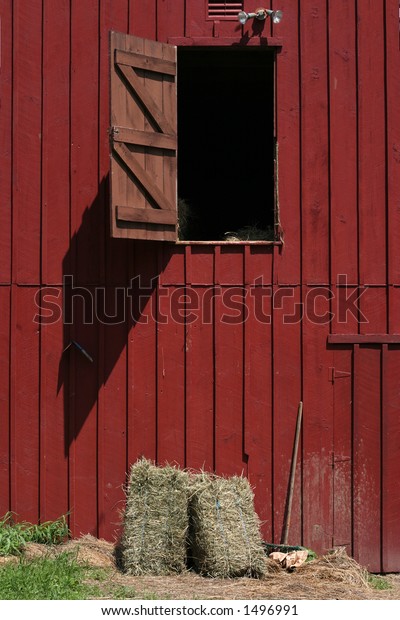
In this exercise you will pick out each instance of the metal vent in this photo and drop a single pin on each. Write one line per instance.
(227, 10)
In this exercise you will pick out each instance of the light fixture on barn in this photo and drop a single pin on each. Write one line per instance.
(260, 14)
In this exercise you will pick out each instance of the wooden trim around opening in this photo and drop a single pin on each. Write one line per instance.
(364, 339)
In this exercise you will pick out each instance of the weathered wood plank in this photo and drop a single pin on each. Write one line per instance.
(27, 130)
(55, 258)
(392, 64)
(24, 405)
(199, 375)
(364, 339)
(148, 63)
(390, 458)
(171, 353)
(5, 347)
(343, 139)
(83, 418)
(142, 355)
(156, 216)
(314, 143)
(144, 138)
(317, 422)
(371, 141)
(287, 393)
(367, 457)
(258, 400)
(54, 409)
(6, 141)
(87, 212)
(287, 260)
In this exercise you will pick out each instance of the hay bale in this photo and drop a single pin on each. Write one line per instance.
(155, 521)
(225, 538)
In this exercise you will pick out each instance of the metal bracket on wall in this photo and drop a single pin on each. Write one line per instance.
(80, 348)
(337, 374)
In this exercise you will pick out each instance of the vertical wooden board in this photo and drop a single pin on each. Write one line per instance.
(24, 405)
(126, 111)
(393, 134)
(346, 309)
(170, 19)
(199, 265)
(171, 352)
(258, 399)
(160, 164)
(367, 457)
(229, 367)
(371, 140)
(27, 129)
(55, 140)
(258, 264)
(142, 355)
(53, 409)
(6, 78)
(200, 378)
(394, 310)
(229, 265)
(87, 217)
(172, 265)
(343, 139)
(314, 145)
(287, 393)
(112, 398)
(83, 419)
(390, 459)
(317, 426)
(5, 298)
(374, 308)
(169, 103)
(342, 380)
(112, 431)
(287, 260)
(345, 320)
(153, 83)
(113, 17)
(143, 19)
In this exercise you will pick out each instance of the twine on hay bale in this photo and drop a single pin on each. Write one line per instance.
(224, 533)
(155, 520)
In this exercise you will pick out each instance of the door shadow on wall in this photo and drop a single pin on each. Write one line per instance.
(107, 284)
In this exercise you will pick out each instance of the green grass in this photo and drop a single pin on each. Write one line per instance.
(14, 535)
(43, 579)
(378, 583)
(61, 578)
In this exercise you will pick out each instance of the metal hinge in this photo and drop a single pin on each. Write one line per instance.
(113, 131)
(337, 374)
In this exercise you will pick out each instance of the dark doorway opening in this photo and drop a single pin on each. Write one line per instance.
(226, 144)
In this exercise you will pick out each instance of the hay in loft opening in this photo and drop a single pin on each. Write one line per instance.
(224, 534)
(155, 520)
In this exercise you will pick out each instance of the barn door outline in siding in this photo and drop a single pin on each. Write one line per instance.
(367, 447)
(143, 138)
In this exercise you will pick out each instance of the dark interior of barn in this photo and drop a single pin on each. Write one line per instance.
(226, 143)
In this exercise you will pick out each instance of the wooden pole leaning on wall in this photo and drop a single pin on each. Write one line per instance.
(288, 511)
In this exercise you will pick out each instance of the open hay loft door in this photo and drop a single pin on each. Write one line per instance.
(143, 186)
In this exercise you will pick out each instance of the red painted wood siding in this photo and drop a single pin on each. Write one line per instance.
(203, 391)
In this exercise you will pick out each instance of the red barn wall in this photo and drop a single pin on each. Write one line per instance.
(204, 392)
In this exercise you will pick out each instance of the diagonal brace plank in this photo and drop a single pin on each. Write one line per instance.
(148, 63)
(144, 179)
(147, 100)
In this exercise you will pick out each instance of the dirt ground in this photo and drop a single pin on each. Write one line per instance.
(340, 579)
